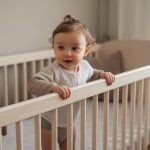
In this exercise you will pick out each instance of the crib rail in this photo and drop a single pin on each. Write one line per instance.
(25, 57)
(17, 70)
(16, 113)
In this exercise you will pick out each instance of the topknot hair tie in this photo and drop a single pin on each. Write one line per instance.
(70, 19)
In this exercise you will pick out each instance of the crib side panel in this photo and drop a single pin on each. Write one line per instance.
(127, 81)
(15, 73)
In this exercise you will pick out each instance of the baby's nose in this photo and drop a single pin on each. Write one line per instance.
(68, 52)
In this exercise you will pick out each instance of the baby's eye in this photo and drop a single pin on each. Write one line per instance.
(61, 47)
(76, 49)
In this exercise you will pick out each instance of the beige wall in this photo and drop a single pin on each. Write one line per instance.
(26, 25)
(103, 20)
(129, 19)
(124, 19)
(108, 19)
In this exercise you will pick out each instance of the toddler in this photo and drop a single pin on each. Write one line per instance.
(71, 41)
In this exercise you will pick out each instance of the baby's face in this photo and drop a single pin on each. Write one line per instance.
(69, 49)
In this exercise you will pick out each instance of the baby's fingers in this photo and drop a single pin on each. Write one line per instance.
(65, 92)
(110, 78)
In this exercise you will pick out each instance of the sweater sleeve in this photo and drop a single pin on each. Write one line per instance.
(39, 87)
(96, 75)
(42, 83)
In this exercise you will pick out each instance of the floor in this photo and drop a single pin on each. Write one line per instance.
(28, 128)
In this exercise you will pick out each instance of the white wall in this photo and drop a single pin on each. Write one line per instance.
(26, 25)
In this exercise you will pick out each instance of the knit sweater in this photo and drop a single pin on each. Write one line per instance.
(43, 82)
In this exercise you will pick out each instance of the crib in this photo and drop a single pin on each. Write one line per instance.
(129, 116)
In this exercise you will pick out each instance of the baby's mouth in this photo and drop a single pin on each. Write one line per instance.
(68, 61)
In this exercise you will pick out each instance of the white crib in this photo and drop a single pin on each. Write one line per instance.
(17, 70)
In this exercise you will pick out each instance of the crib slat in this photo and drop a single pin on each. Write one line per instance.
(54, 129)
(25, 94)
(115, 117)
(132, 113)
(70, 127)
(19, 135)
(46, 62)
(49, 61)
(1, 139)
(146, 113)
(95, 122)
(83, 125)
(16, 83)
(41, 64)
(33, 68)
(140, 105)
(37, 123)
(5, 86)
(124, 115)
(106, 121)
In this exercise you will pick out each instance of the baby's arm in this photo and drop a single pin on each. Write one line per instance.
(108, 76)
(43, 83)
(39, 87)
(100, 74)
(63, 91)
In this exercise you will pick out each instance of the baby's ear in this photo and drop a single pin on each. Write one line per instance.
(87, 51)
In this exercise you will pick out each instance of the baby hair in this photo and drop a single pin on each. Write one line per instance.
(70, 24)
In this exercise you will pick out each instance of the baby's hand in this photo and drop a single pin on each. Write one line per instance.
(108, 76)
(63, 91)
